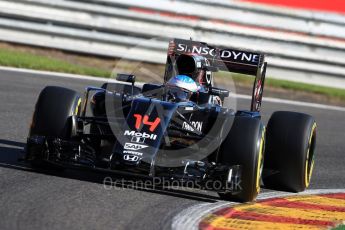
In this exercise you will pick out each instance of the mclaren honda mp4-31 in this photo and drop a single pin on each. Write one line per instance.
(179, 130)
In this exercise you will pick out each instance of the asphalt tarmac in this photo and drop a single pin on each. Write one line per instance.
(78, 199)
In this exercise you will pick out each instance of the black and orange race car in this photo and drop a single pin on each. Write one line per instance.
(179, 130)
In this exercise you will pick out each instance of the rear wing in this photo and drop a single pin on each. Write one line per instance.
(224, 59)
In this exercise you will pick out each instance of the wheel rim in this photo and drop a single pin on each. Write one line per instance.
(309, 164)
(260, 160)
(77, 108)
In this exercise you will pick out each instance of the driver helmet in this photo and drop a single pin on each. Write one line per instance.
(195, 67)
(181, 88)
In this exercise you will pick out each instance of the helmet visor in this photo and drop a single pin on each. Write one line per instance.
(179, 94)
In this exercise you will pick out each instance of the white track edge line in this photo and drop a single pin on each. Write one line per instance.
(290, 102)
(191, 217)
(100, 79)
(42, 73)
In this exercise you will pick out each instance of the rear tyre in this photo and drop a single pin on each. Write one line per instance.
(52, 118)
(290, 149)
(244, 146)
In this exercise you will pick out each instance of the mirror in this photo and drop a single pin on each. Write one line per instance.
(219, 92)
(125, 77)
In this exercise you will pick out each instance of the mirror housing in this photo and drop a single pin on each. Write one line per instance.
(219, 92)
(125, 78)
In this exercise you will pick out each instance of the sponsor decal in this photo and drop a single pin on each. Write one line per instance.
(258, 90)
(139, 134)
(196, 49)
(197, 125)
(130, 158)
(138, 139)
(132, 152)
(134, 147)
(145, 121)
(208, 77)
(224, 54)
(198, 64)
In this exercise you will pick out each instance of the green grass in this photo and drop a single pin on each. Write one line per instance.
(327, 91)
(32, 61)
(19, 59)
(340, 227)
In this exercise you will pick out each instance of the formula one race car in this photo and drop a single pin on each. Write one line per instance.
(178, 130)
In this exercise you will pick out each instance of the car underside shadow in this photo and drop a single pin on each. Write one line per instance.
(11, 152)
(12, 143)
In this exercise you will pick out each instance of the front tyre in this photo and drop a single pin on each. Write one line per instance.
(244, 146)
(290, 150)
(51, 119)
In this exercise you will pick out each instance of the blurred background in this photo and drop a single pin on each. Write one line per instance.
(304, 40)
(305, 45)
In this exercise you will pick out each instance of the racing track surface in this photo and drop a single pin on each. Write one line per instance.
(77, 199)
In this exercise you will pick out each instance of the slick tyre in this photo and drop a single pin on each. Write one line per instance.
(244, 146)
(53, 117)
(290, 150)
